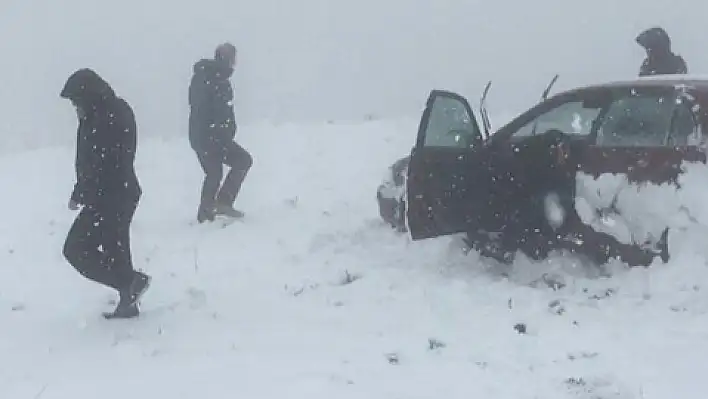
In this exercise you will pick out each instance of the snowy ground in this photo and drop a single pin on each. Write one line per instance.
(312, 297)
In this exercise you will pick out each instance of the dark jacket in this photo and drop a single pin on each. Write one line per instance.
(105, 144)
(660, 59)
(211, 119)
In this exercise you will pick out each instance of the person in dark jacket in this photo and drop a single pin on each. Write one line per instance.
(107, 191)
(545, 218)
(660, 59)
(212, 129)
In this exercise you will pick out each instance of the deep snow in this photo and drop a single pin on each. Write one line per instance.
(312, 297)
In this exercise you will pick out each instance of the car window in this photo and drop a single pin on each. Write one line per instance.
(570, 118)
(637, 120)
(684, 129)
(450, 124)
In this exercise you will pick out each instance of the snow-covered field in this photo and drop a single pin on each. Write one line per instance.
(312, 297)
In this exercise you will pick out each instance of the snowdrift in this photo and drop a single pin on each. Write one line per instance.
(313, 292)
(633, 213)
(640, 212)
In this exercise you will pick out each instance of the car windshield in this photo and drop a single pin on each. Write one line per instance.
(571, 117)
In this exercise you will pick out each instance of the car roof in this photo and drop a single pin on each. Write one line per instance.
(699, 82)
(696, 81)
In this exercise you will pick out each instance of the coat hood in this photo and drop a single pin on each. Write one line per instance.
(85, 86)
(655, 40)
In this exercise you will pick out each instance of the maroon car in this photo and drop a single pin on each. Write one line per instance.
(644, 128)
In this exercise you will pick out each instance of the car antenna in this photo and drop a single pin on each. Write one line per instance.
(544, 96)
(483, 110)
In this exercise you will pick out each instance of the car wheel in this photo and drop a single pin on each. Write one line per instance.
(392, 211)
(390, 195)
(400, 224)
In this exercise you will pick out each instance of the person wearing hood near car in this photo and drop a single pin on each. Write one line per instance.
(660, 58)
(107, 191)
(212, 129)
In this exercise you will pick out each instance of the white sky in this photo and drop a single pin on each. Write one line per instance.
(320, 59)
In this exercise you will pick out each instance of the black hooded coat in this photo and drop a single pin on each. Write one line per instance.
(212, 122)
(105, 146)
(660, 58)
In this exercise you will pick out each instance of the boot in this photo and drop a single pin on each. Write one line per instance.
(228, 210)
(140, 284)
(205, 214)
(128, 305)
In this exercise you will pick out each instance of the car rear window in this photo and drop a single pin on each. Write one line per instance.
(639, 120)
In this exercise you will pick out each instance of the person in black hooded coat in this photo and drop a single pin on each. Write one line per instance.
(660, 59)
(107, 189)
(212, 129)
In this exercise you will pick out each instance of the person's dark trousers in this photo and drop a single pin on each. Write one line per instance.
(98, 245)
(601, 247)
(574, 236)
(578, 237)
(212, 161)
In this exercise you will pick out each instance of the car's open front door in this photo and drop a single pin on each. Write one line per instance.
(441, 170)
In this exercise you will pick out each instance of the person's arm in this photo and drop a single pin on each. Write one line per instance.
(201, 101)
(87, 164)
(644, 68)
(682, 67)
(119, 147)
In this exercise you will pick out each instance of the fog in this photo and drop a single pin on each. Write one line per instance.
(315, 60)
